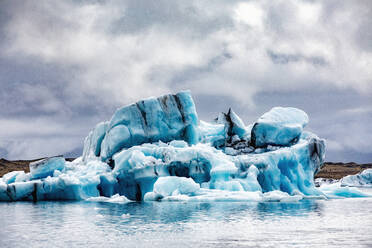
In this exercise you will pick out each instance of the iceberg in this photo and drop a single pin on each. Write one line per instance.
(362, 179)
(337, 190)
(157, 150)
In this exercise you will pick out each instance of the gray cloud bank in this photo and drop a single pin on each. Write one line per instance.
(66, 65)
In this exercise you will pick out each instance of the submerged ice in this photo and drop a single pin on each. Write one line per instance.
(157, 149)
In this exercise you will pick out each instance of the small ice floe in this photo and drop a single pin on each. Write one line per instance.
(280, 196)
(336, 190)
(363, 179)
(113, 199)
(320, 181)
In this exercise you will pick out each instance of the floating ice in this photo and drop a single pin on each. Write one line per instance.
(15, 176)
(46, 167)
(280, 196)
(233, 125)
(172, 186)
(113, 199)
(336, 190)
(167, 118)
(279, 127)
(157, 149)
(362, 179)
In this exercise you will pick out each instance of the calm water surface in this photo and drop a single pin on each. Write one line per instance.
(310, 223)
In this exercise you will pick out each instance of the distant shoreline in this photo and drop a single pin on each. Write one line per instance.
(332, 170)
(18, 165)
(338, 170)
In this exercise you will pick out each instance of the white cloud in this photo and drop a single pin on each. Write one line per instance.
(250, 13)
(120, 64)
(38, 147)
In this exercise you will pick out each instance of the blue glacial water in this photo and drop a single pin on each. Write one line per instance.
(308, 223)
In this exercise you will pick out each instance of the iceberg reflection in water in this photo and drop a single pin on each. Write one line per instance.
(307, 223)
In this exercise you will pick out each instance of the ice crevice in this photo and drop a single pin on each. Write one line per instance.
(158, 150)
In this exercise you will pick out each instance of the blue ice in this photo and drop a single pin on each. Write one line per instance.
(46, 167)
(158, 149)
(362, 179)
(279, 127)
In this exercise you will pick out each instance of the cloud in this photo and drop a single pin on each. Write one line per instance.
(73, 62)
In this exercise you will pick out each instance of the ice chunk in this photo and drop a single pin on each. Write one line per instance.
(178, 143)
(167, 118)
(14, 176)
(212, 133)
(280, 126)
(280, 196)
(336, 190)
(117, 138)
(362, 179)
(172, 186)
(92, 143)
(235, 138)
(215, 195)
(46, 167)
(234, 132)
(233, 124)
(21, 191)
(320, 181)
(113, 199)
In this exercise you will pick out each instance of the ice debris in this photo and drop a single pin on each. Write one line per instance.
(113, 199)
(362, 179)
(336, 190)
(157, 149)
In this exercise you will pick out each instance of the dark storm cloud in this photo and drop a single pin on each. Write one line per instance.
(64, 66)
(282, 58)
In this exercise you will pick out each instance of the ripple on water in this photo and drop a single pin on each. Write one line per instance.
(308, 223)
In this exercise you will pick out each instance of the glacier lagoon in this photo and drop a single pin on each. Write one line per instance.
(156, 174)
(307, 223)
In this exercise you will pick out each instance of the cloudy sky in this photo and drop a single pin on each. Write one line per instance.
(66, 65)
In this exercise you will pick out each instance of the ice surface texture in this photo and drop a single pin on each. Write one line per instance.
(157, 149)
(362, 179)
(167, 118)
(280, 126)
(46, 167)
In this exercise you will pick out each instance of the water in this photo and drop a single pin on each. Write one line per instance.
(308, 223)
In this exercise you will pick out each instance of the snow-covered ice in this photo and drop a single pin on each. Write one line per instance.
(336, 190)
(158, 149)
(362, 179)
(46, 167)
(279, 127)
